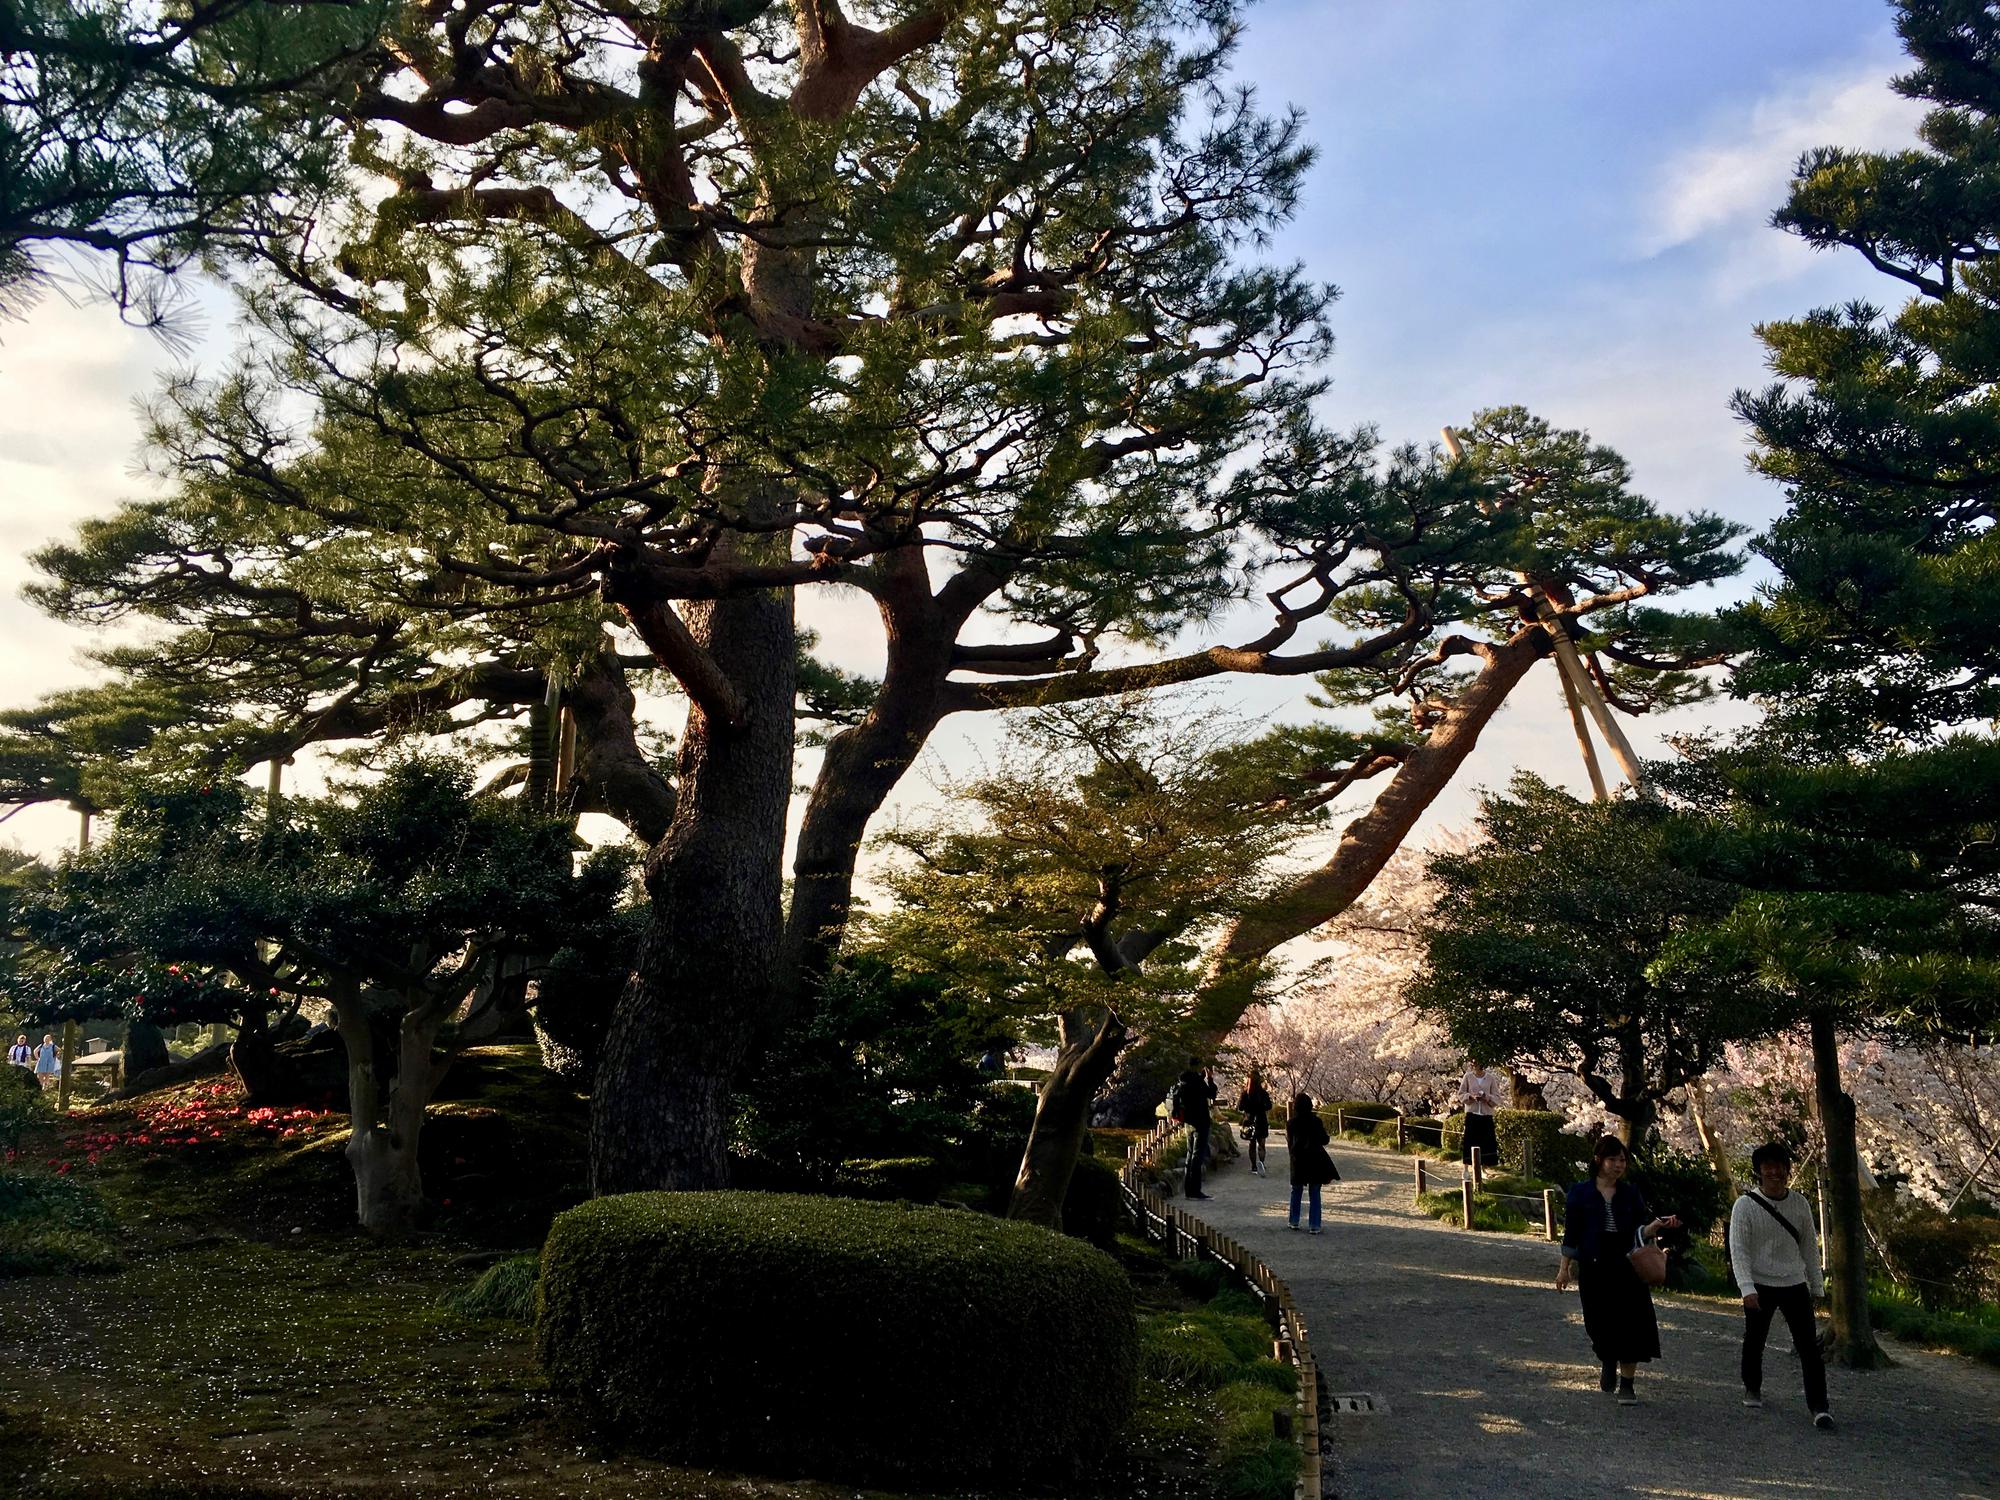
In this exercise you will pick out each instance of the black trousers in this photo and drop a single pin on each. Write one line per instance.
(1479, 1132)
(1196, 1155)
(1795, 1302)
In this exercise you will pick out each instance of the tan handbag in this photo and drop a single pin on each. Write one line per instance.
(1650, 1262)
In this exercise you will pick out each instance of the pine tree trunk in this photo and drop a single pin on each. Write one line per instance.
(1365, 847)
(1062, 1114)
(386, 1118)
(863, 765)
(706, 982)
(1844, 1233)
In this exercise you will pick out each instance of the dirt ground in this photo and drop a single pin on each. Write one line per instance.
(1483, 1387)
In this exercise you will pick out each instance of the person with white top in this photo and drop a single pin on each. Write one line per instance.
(1479, 1096)
(21, 1055)
(1774, 1253)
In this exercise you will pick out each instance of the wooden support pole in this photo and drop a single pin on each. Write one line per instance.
(1420, 1177)
(1478, 1172)
(68, 1059)
(1402, 1134)
(1465, 1200)
(1576, 722)
(1549, 1213)
(82, 828)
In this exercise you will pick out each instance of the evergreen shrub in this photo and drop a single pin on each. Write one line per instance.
(869, 1341)
(1680, 1182)
(919, 1179)
(1532, 1142)
(1355, 1114)
(1948, 1263)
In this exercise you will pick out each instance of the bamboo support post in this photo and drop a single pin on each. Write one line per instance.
(68, 1058)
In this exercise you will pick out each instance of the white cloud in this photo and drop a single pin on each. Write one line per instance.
(1717, 194)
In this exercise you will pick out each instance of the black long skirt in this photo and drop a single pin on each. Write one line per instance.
(1618, 1311)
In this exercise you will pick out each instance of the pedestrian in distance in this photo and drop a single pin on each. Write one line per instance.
(1774, 1253)
(1605, 1218)
(1193, 1092)
(1255, 1104)
(47, 1063)
(1312, 1164)
(21, 1055)
(1479, 1096)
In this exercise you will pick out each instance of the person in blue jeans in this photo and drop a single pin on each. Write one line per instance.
(1305, 1144)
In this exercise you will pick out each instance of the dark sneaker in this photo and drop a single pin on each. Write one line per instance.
(1752, 1398)
(1823, 1420)
(1626, 1395)
(1204, 1197)
(1607, 1379)
(1293, 1225)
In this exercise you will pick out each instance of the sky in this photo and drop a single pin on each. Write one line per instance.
(1560, 204)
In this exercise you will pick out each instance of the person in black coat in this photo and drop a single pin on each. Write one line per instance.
(1312, 1166)
(1604, 1220)
(1256, 1106)
(1193, 1093)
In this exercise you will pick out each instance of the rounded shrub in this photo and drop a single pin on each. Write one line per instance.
(1533, 1145)
(918, 1178)
(849, 1339)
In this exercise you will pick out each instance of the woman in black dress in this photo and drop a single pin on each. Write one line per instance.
(1604, 1219)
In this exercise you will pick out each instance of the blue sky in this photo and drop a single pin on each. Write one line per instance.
(1556, 203)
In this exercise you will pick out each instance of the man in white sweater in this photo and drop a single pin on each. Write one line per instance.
(1774, 1251)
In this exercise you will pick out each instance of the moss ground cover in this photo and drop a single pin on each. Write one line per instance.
(243, 1343)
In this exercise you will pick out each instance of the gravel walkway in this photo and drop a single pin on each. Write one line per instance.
(1484, 1387)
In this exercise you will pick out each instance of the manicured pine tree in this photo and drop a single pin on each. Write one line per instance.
(1884, 428)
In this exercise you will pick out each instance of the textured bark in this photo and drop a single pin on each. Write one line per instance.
(706, 981)
(1843, 1233)
(863, 765)
(1323, 894)
(1062, 1114)
(386, 1116)
(610, 769)
(145, 1049)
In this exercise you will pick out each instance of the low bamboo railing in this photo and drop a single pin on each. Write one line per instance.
(1188, 1238)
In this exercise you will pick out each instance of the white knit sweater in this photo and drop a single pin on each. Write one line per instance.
(1761, 1253)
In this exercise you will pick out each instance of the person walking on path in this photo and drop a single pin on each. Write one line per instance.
(1193, 1092)
(21, 1055)
(47, 1064)
(1774, 1253)
(1312, 1166)
(1256, 1106)
(1604, 1220)
(1479, 1096)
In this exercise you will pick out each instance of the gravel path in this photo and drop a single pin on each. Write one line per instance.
(1486, 1389)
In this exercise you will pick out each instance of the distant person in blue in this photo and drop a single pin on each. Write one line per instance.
(47, 1064)
(1604, 1219)
(21, 1055)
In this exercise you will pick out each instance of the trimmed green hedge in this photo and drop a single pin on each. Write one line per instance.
(847, 1339)
(918, 1178)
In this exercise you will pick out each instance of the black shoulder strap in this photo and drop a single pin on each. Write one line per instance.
(1772, 1209)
